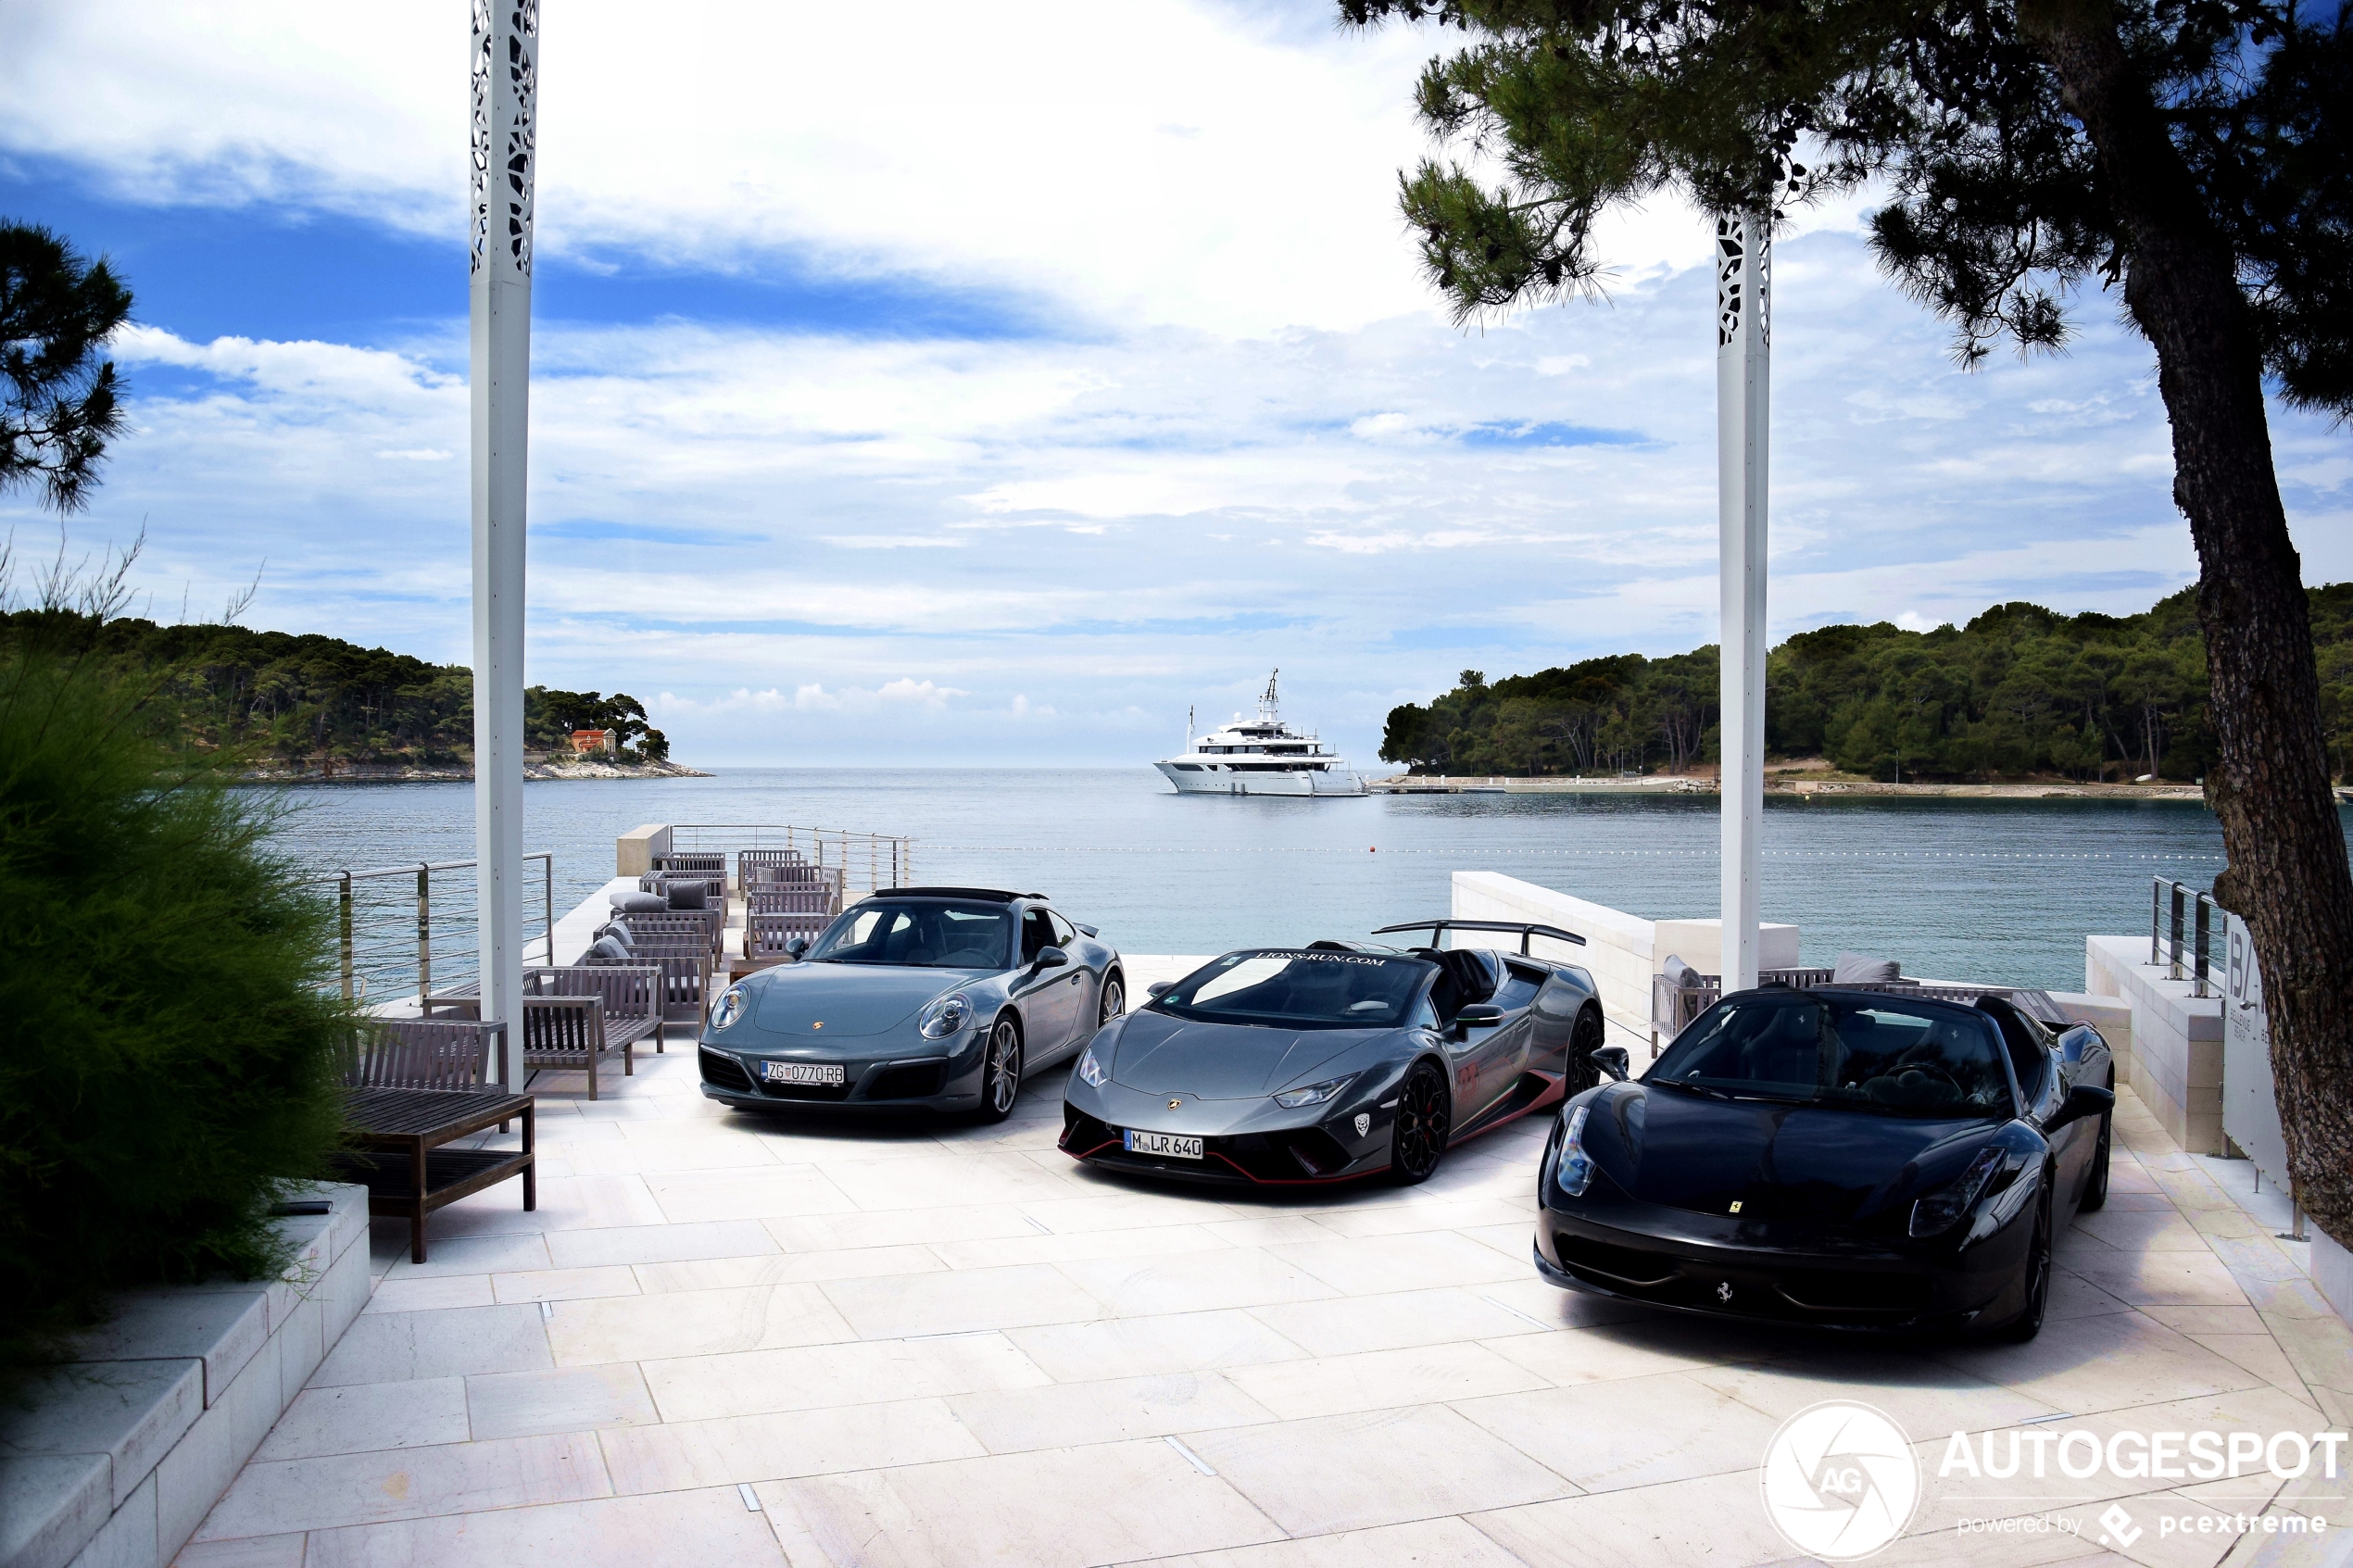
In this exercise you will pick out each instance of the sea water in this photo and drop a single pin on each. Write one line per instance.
(2000, 891)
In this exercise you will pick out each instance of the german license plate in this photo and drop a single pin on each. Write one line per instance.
(825, 1074)
(1177, 1145)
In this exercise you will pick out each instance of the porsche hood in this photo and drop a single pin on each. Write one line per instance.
(1157, 1054)
(846, 999)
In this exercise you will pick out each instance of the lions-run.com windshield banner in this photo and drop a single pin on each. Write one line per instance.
(1842, 1481)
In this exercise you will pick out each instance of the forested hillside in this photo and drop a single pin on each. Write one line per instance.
(2019, 691)
(271, 697)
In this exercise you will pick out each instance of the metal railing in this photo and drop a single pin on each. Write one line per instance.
(400, 930)
(885, 860)
(2171, 918)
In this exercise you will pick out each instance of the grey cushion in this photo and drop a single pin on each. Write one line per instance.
(1861, 969)
(1679, 974)
(639, 903)
(687, 895)
(605, 948)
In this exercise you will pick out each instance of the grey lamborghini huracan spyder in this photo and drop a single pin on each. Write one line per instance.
(1284, 1066)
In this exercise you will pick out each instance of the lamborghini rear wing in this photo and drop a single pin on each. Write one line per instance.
(1526, 931)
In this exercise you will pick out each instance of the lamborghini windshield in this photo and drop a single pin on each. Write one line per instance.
(1296, 988)
(920, 934)
(1881, 1053)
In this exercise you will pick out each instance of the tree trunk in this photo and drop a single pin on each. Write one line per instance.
(2287, 877)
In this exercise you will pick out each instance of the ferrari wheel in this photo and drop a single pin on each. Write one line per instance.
(1583, 1041)
(1000, 1079)
(2095, 1179)
(2037, 1272)
(1420, 1137)
(1114, 1000)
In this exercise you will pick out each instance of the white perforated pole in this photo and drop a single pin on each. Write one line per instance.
(1743, 270)
(505, 101)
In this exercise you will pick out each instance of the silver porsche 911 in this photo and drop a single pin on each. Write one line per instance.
(938, 998)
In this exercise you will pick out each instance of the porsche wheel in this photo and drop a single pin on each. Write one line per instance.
(1583, 1041)
(1114, 1000)
(1000, 1078)
(2037, 1280)
(2095, 1179)
(1418, 1139)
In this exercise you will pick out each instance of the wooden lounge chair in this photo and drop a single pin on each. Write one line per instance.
(766, 936)
(566, 1034)
(685, 967)
(705, 926)
(415, 1086)
(632, 994)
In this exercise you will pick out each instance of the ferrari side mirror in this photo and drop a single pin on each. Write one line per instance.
(1050, 958)
(2083, 1100)
(1160, 987)
(1612, 1059)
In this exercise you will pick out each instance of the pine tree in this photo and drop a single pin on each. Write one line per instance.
(59, 394)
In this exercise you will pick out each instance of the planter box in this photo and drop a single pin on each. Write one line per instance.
(123, 1450)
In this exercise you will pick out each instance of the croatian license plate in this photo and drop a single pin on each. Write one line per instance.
(825, 1074)
(1177, 1145)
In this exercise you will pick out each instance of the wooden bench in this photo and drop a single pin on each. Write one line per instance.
(567, 1033)
(632, 994)
(415, 1086)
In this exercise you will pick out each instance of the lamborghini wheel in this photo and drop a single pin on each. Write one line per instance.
(1583, 1041)
(1000, 1078)
(1418, 1140)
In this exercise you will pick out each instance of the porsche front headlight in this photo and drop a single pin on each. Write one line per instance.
(1942, 1209)
(1092, 1070)
(945, 1015)
(1314, 1094)
(728, 1007)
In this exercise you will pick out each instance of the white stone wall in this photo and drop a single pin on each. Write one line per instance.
(120, 1453)
(2176, 1060)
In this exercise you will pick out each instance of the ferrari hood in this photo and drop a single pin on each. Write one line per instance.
(1777, 1161)
(847, 998)
(1162, 1055)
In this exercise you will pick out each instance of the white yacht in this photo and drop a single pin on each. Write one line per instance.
(1261, 756)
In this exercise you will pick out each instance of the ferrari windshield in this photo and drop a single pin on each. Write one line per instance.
(920, 934)
(1294, 989)
(1877, 1053)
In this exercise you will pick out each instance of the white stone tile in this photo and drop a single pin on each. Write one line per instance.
(1712, 1523)
(1111, 1347)
(901, 1227)
(565, 1285)
(1382, 1380)
(752, 1193)
(130, 1411)
(246, 1552)
(1417, 1260)
(1160, 1241)
(419, 1413)
(861, 1372)
(960, 1301)
(1383, 1467)
(1425, 1543)
(1633, 1432)
(578, 1399)
(677, 1455)
(1115, 1504)
(2087, 1365)
(324, 1493)
(692, 1323)
(426, 1293)
(658, 1244)
(790, 1267)
(1234, 1276)
(450, 1253)
(1344, 1324)
(55, 1503)
(1072, 1414)
(397, 1347)
(709, 1527)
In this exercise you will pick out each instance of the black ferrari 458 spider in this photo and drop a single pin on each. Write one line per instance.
(1852, 1159)
(1280, 1066)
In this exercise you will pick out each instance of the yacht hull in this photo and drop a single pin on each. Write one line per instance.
(1298, 785)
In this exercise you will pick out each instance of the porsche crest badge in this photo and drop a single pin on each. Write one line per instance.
(1176, 1105)
(819, 1025)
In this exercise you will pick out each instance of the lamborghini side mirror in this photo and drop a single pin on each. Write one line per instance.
(1159, 988)
(1475, 1015)
(1613, 1060)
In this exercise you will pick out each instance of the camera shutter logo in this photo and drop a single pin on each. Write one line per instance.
(1840, 1480)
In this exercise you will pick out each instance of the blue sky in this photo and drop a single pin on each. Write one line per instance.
(996, 407)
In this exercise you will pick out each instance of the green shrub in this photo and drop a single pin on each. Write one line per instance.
(166, 1048)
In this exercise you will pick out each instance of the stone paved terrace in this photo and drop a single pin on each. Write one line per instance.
(935, 1344)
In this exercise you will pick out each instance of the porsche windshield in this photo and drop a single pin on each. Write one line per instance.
(1299, 989)
(1882, 1054)
(920, 934)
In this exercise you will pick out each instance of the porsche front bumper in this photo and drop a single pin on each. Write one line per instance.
(878, 1073)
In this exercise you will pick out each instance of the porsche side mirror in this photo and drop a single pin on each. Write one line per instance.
(1613, 1060)
(2083, 1101)
(793, 949)
(1160, 987)
(1049, 957)
(1477, 1015)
